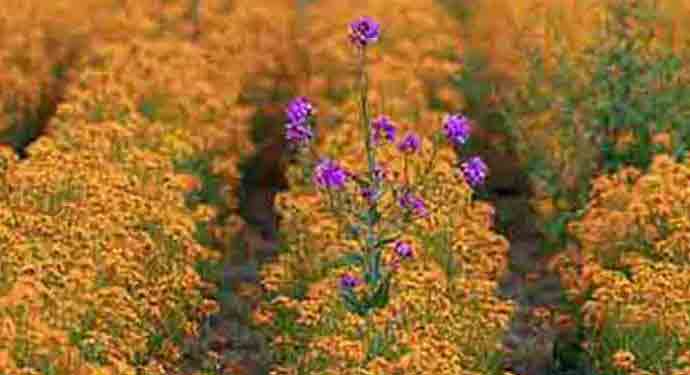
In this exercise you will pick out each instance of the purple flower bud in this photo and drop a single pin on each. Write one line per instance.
(410, 143)
(328, 174)
(369, 194)
(297, 130)
(364, 31)
(415, 204)
(474, 170)
(403, 249)
(382, 127)
(299, 110)
(379, 172)
(457, 129)
(347, 281)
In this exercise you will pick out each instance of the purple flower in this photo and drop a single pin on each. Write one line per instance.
(347, 281)
(410, 143)
(299, 110)
(457, 129)
(382, 127)
(413, 203)
(297, 130)
(364, 31)
(328, 174)
(369, 194)
(298, 134)
(474, 170)
(379, 172)
(403, 249)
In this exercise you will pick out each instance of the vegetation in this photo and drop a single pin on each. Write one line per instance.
(135, 133)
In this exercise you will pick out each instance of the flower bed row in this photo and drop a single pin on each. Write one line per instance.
(346, 298)
(635, 242)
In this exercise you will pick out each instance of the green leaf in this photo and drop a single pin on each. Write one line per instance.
(383, 242)
(375, 216)
(352, 259)
(376, 346)
(381, 296)
(352, 303)
(373, 273)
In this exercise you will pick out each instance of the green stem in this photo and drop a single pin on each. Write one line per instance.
(406, 177)
(371, 157)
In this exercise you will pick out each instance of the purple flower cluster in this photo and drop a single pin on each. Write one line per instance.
(347, 281)
(298, 131)
(298, 134)
(364, 31)
(299, 110)
(410, 143)
(328, 174)
(457, 129)
(403, 249)
(415, 204)
(474, 170)
(382, 127)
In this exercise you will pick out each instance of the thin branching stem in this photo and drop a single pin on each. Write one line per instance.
(371, 156)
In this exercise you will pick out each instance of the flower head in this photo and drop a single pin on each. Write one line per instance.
(382, 127)
(297, 130)
(403, 249)
(457, 129)
(410, 143)
(328, 174)
(299, 110)
(347, 281)
(474, 170)
(364, 31)
(298, 134)
(413, 203)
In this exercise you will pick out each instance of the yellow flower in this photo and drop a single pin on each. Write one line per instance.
(624, 360)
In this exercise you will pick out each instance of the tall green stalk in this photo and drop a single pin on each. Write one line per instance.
(371, 155)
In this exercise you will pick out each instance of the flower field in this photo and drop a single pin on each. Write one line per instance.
(130, 132)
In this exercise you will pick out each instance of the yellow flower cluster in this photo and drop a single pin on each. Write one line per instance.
(98, 254)
(506, 30)
(37, 37)
(635, 244)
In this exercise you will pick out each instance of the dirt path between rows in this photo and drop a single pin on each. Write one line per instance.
(542, 325)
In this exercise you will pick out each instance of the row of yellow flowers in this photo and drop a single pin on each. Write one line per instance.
(635, 243)
(97, 269)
